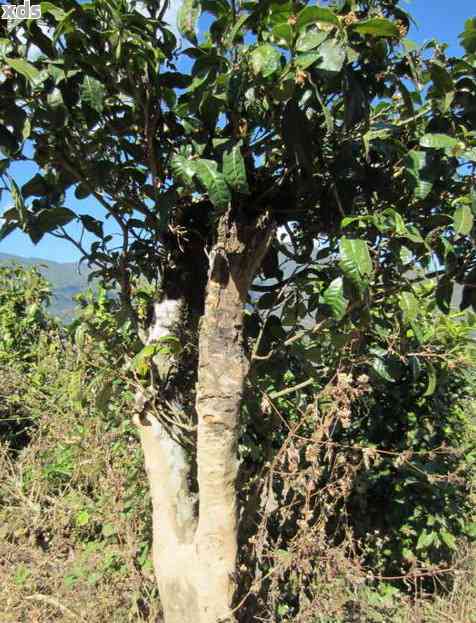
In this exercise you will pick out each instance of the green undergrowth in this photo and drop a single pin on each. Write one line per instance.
(75, 523)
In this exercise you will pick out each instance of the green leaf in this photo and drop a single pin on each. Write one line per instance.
(23, 67)
(51, 218)
(234, 170)
(431, 386)
(187, 19)
(141, 361)
(22, 213)
(333, 296)
(463, 220)
(355, 261)
(468, 37)
(448, 539)
(82, 518)
(333, 56)
(283, 35)
(418, 173)
(439, 141)
(378, 365)
(236, 30)
(409, 305)
(183, 168)
(377, 27)
(265, 60)
(310, 40)
(307, 59)
(425, 539)
(93, 93)
(214, 183)
(56, 12)
(314, 15)
(5, 47)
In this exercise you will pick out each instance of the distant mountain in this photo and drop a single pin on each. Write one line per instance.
(66, 280)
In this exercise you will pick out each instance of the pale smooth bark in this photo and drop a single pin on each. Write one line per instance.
(195, 558)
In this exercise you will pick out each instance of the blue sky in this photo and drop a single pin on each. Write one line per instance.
(438, 19)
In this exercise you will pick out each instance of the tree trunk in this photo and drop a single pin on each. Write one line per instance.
(195, 559)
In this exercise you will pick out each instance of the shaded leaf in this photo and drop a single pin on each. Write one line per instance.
(418, 173)
(36, 187)
(51, 218)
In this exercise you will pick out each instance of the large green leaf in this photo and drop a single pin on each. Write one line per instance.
(314, 15)
(214, 183)
(23, 67)
(409, 305)
(310, 40)
(234, 170)
(377, 27)
(355, 261)
(265, 60)
(93, 93)
(333, 56)
(439, 141)
(333, 297)
(188, 17)
(463, 220)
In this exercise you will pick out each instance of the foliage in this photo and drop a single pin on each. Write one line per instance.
(328, 451)
(22, 317)
(360, 145)
(73, 501)
(359, 446)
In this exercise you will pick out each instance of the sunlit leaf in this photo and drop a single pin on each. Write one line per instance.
(377, 27)
(463, 220)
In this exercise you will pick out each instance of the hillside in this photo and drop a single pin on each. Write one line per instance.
(66, 279)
